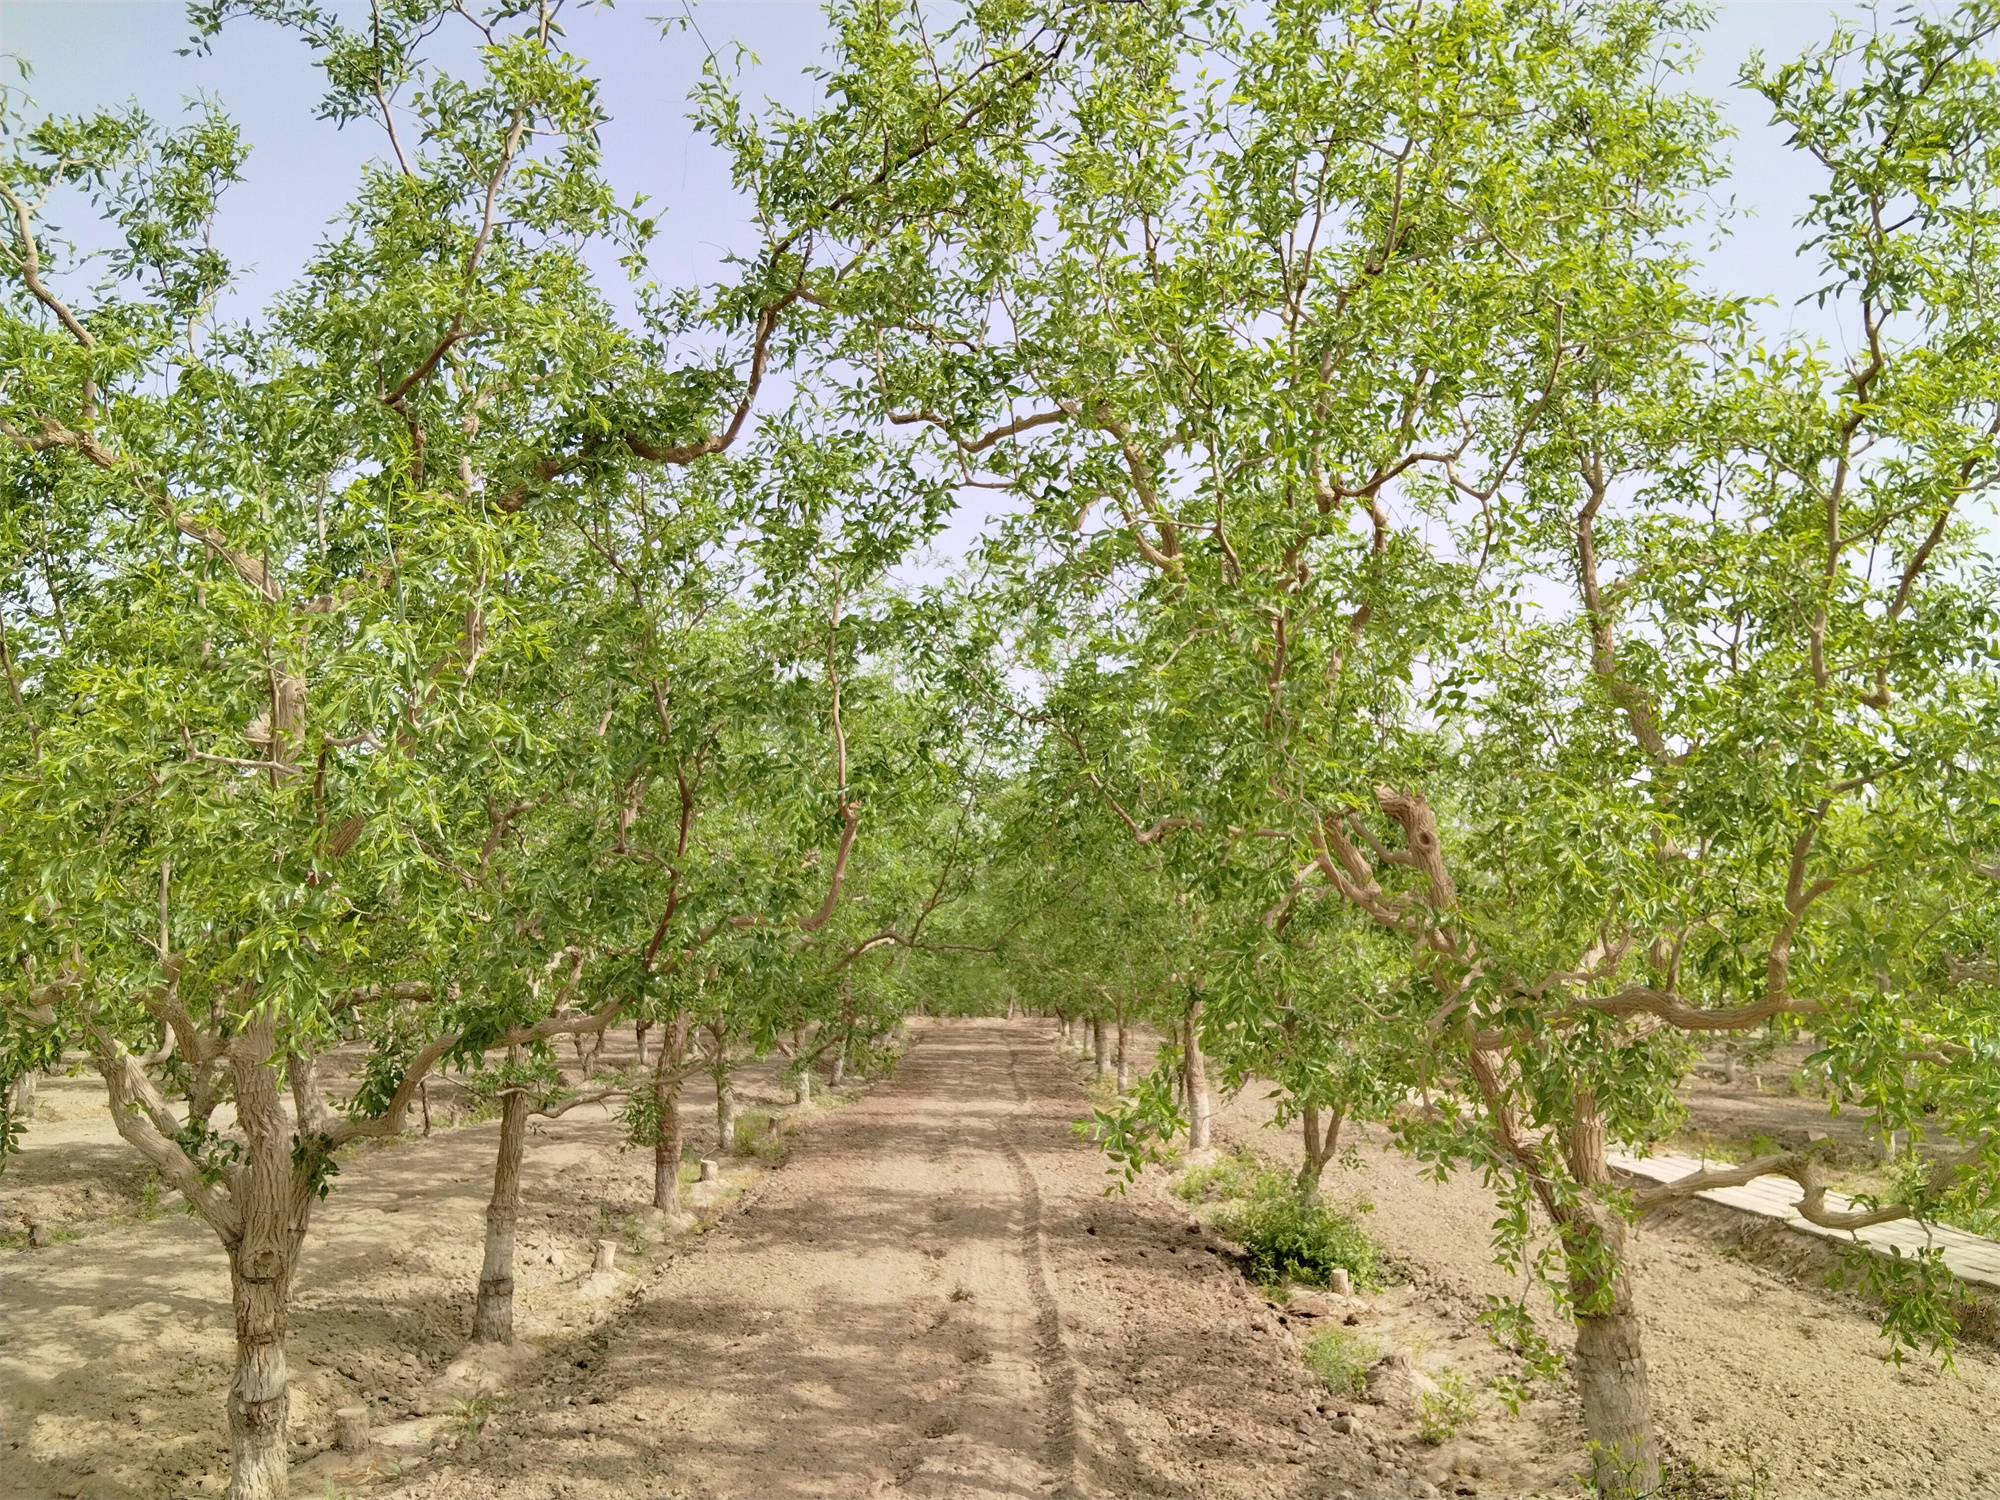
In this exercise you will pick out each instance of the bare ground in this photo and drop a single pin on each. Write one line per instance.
(935, 1299)
(1782, 1389)
(932, 1297)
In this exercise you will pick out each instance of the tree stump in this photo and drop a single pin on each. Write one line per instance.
(607, 1258)
(711, 1171)
(350, 1429)
(1339, 1282)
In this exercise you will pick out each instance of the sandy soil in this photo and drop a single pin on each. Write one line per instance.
(934, 1298)
(119, 1342)
(1756, 1378)
(931, 1297)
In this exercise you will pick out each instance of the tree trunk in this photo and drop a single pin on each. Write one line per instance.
(639, 1033)
(1610, 1359)
(1201, 1110)
(667, 1093)
(725, 1114)
(23, 1106)
(493, 1312)
(204, 1091)
(1319, 1150)
(839, 1063)
(1062, 1028)
(1729, 1068)
(259, 1398)
(1010, 1004)
(1100, 1045)
(1124, 1066)
(274, 1199)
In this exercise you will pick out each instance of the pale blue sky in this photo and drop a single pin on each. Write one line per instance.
(87, 53)
(92, 53)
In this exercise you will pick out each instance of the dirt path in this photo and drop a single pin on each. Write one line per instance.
(933, 1299)
(118, 1339)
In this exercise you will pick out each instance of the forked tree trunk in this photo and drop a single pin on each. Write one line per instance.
(1319, 1149)
(1201, 1110)
(493, 1311)
(1610, 1356)
(667, 1093)
(1100, 1045)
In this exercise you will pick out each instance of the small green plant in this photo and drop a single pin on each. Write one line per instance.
(1286, 1239)
(1440, 1413)
(1756, 1481)
(468, 1416)
(1232, 1177)
(633, 1238)
(1341, 1359)
(149, 1198)
(752, 1126)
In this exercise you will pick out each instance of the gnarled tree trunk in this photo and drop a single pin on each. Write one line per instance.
(260, 1287)
(273, 1197)
(1610, 1358)
(493, 1311)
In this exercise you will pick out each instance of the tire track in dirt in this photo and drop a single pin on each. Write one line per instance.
(1058, 1368)
(932, 1300)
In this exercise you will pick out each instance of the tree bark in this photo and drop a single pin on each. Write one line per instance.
(24, 1095)
(493, 1311)
(259, 1396)
(1319, 1150)
(725, 1091)
(1124, 1065)
(1201, 1110)
(274, 1199)
(639, 1033)
(838, 1068)
(1100, 1045)
(667, 1093)
(1610, 1358)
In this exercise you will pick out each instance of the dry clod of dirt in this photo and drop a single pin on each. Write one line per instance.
(1394, 1381)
